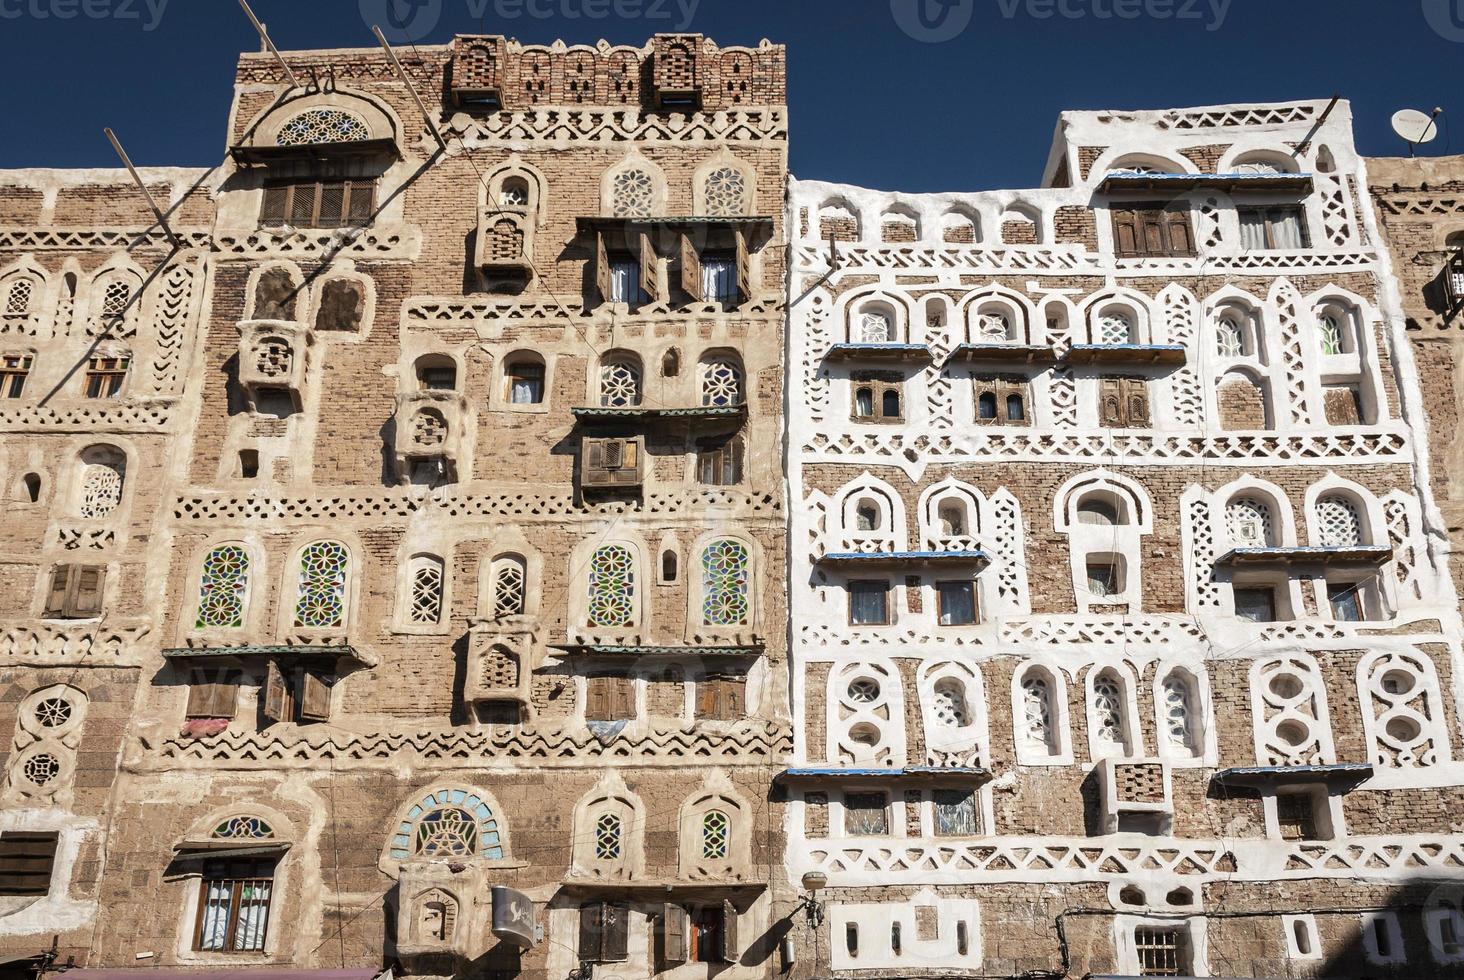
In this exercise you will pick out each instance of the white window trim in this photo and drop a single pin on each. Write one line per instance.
(1372, 921)
(1309, 924)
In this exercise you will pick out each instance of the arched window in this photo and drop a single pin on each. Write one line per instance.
(721, 383)
(668, 566)
(427, 581)
(1230, 339)
(1101, 511)
(949, 704)
(994, 325)
(1336, 333)
(223, 588)
(18, 296)
(1110, 723)
(321, 593)
(115, 298)
(103, 478)
(1115, 327)
(632, 193)
(1039, 714)
(952, 514)
(448, 823)
(986, 405)
(509, 587)
(726, 192)
(716, 835)
(612, 587)
(1338, 523)
(515, 193)
(725, 589)
(609, 832)
(866, 516)
(243, 828)
(1180, 721)
(620, 383)
(523, 376)
(323, 125)
(1248, 521)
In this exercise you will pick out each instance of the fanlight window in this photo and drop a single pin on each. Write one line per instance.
(509, 581)
(223, 588)
(631, 194)
(101, 488)
(726, 192)
(322, 587)
(323, 125)
(18, 297)
(1230, 338)
(952, 517)
(1179, 714)
(1338, 523)
(620, 383)
(715, 835)
(1115, 327)
(612, 587)
(1258, 167)
(1249, 522)
(515, 193)
(243, 828)
(725, 585)
(608, 831)
(949, 705)
(721, 384)
(1332, 333)
(875, 326)
(115, 298)
(448, 823)
(994, 326)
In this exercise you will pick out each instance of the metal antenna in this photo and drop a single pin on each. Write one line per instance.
(397, 66)
(127, 162)
(264, 36)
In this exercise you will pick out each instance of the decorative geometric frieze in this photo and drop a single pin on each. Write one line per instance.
(576, 124)
(82, 646)
(91, 417)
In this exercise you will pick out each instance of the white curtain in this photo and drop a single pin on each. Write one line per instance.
(719, 281)
(1253, 231)
(625, 282)
(1286, 227)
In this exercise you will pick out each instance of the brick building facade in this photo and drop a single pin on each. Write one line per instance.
(400, 571)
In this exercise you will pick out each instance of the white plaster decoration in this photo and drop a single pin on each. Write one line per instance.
(1112, 710)
(1288, 304)
(1289, 708)
(953, 707)
(1403, 717)
(925, 932)
(1179, 312)
(1040, 716)
(866, 716)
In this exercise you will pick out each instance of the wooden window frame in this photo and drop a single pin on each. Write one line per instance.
(868, 795)
(106, 376)
(1152, 230)
(1001, 387)
(212, 692)
(296, 693)
(720, 457)
(68, 592)
(615, 694)
(596, 943)
(1124, 388)
(879, 383)
(513, 372)
(887, 589)
(237, 883)
(1266, 212)
(15, 370)
(282, 204)
(940, 603)
(721, 697)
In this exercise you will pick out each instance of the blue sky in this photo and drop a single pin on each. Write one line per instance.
(870, 104)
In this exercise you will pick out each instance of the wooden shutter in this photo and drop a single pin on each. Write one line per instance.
(212, 693)
(276, 694)
(302, 204)
(56, 595)
(590, 932)
(275, 205)
(1151, 232)
(315, 697)
(1110, 402)
(363, 202)
(88, 582)
(1181, 238)
(612, 454)
(332, 210)
(1136, 401)
(614, 933)
(675, 936)
(602, 268)
(26, 863)
(597, 699)
(620, 697)
(630, 461)
(691, 270)
(744, 266)
(708, 698)
(731, 940)
(1125, 233)
(648, 268)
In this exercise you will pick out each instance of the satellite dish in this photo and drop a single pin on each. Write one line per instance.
(1415, 127)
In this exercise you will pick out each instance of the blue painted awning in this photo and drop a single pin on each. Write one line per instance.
(1135, 180)
(903, 773)
(877, 558)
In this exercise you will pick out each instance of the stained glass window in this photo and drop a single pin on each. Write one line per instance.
(449, 822)
(724, 584)
(721, 384)
(1329, 329)
(223, 588)
(447, 832)
(612, 587)
(715, 828)
(243, 828)
(323, 125)
(322, 590)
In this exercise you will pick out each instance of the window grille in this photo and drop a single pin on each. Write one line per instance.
(721, 384)
(18, 297)
(321, 601)
(725, 584)
(726, 192)
(620, 384)
(607, 837)
(234, 906)
(1160, 951)
(631, 194)
(222, 588)
(715, 831)
(427, 582)
(508, 588)
(612, 587)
